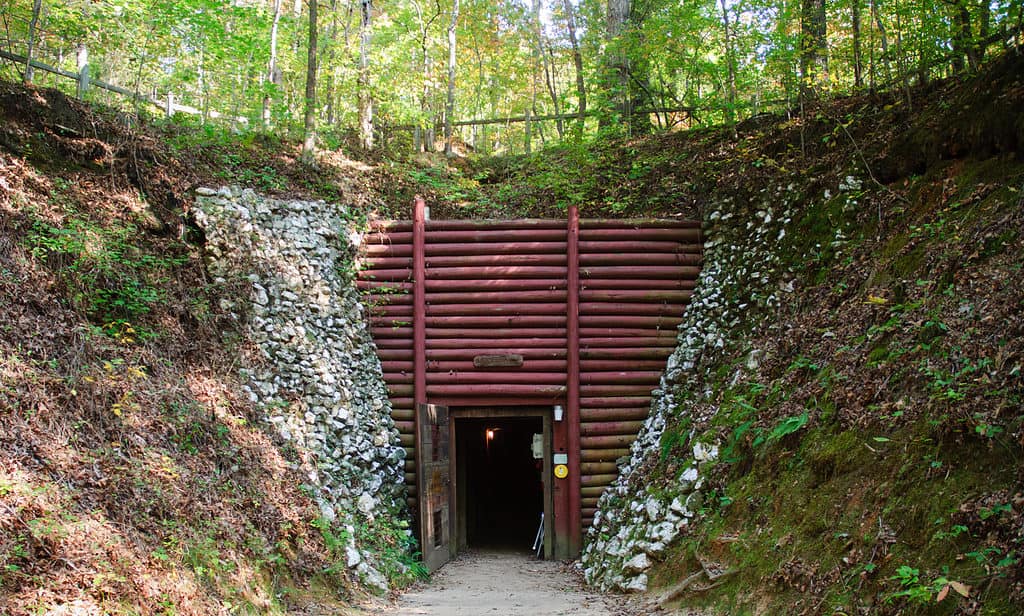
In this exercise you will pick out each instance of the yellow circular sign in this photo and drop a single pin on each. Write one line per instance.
(561, 471)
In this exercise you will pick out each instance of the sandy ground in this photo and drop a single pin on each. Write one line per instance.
(479, 583)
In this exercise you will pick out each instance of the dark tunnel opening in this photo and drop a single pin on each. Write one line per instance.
(504, 486)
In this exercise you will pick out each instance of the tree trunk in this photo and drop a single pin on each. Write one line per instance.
(365, 99)
(577, 60)
(309, 126)
(858, 77)
(730, 61)
(450, 107)
(30, 53)
(883, 39)
(813, 48)
(273, 74)
(617, 61)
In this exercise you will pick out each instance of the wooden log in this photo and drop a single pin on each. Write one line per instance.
(616, 390)
(394, 354)
(478, 236)
(540, 391)
(593, 490)
(503, 297)
(386, 250)
(603, 455)
(638, 223)
(668, 342)
(597, 480)
(483, 345)
(497, 332)
(498, 321)
(483, 310)
(532, 365)
(653, 272)
(627, 332)
(498, 248)
(648, 322)
(393, 343)
(619, 414)
(641, 260)
(617, 441)
(521, 224)
(639, 284)
(684, 235)
(624, 377)
(403, 415)
(514, 284)
(609, 428)
(614, 295)
(617, 402)
(596, 468)
(639, 246)
(456, 354)
(625, 353)
(493, 272)
(602, 365)
(516, 378)
(642, 309)
(492, 260)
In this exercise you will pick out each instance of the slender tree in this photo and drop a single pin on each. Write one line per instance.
(813, 47)
(309, 125)
(365, 99)
(450, 106)
(577, 60)
(30, 53)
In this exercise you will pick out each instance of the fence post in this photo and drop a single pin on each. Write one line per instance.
(170, 104)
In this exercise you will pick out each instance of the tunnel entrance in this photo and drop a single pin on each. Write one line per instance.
(501, 485)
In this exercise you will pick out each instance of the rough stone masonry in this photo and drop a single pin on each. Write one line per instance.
(316, 375)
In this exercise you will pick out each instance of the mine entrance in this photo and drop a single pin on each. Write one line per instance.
(501, 480)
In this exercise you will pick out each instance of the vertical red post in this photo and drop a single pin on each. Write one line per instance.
(572, 411)
(419, 305)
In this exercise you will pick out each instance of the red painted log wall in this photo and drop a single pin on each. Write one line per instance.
(593, 312)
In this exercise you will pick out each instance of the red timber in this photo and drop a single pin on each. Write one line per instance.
(573, 382)
(590, 308)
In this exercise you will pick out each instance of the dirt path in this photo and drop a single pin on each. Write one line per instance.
(507, 584)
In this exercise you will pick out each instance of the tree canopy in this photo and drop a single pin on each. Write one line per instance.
(389, 71)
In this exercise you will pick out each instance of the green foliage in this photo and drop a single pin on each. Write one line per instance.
(107, 275)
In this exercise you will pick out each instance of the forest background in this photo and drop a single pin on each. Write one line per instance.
(495, 77)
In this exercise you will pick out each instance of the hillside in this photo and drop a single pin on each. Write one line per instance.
(840, 433)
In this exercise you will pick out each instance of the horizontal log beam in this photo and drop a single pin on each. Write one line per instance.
(679, 298)
(638, 246)
(604, 365)
(607, 428)
(648, 322)
(684, 235)
(594, 468)
(468, 353)
(639, 223)
(477, 286)
(540, 391)
(593, 414)
(497, 272)
(497, 321)
(629, 377)
(616, 402)
(618, 441)
(613, 308)
(482, 310)
(532, 365)
(639, 284)
(638, 260)
(603, 455)
(625, 353)
(485, 260)
(486, 345)
(477, 236)
(616, 390)
(497, 248)
(652, 272)
(483, 378)
(597, 480)
(503, 297)
(625, 341)
(496, 332)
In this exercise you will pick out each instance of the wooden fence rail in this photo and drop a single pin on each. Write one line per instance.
(85, 82)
